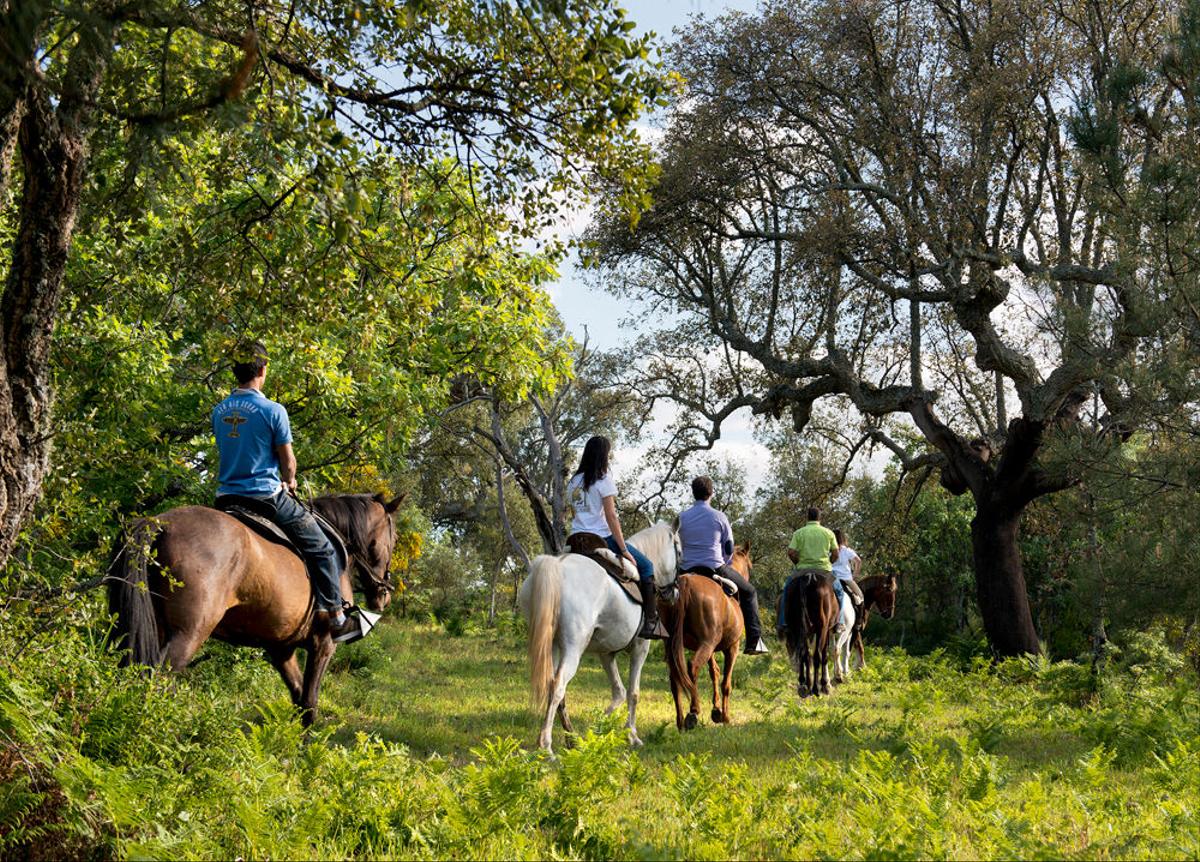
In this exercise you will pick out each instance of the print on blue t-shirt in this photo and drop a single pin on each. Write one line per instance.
(248, 426)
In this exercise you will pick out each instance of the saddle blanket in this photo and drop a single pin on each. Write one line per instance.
(618, 568)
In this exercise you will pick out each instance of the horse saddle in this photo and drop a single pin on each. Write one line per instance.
(596, 549)
(727, 585)
(256, 515)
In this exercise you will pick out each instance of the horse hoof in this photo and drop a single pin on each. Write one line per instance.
(689, 723)
(718, 717)
(569, 740)
(634, 740)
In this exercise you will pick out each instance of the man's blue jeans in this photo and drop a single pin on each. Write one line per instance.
(319, 556)
(644, 566)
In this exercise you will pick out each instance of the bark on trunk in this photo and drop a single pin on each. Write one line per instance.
(53, 147)
(1000, 582)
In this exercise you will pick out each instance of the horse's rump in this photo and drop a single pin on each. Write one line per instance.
(204, 570)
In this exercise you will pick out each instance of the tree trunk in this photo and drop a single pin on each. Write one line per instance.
(53, 146)
(1000, 582)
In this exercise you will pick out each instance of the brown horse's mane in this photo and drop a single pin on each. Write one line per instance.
(873, 581)
(350, 514)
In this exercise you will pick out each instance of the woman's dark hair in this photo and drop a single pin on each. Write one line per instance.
(840, 536)
(594, 462)
(249, 358)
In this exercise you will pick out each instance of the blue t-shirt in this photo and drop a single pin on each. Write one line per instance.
(248, 426)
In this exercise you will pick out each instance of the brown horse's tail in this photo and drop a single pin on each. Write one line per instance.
(676, 657)
(136, 629)
(544, 601)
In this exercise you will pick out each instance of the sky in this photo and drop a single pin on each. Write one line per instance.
(582, 305)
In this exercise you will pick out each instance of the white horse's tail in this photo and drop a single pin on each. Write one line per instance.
(544, 601)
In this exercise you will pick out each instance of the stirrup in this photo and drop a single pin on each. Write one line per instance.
(758, 648)
(656, 632)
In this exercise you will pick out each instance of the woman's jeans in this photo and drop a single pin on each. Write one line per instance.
(644, 566)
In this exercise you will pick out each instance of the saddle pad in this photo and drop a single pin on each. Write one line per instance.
(595, 548)
(630, 587)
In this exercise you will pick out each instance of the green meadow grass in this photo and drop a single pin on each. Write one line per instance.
(423, 751)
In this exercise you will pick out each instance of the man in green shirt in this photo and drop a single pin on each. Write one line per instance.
(812, 550)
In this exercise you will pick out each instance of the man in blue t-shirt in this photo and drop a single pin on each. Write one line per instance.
(254, 441)
(706, 540)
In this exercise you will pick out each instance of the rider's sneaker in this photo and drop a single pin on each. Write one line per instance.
(757, 648)
(347, 630)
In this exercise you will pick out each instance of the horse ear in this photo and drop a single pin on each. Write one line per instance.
(395, 504)
(747, 546)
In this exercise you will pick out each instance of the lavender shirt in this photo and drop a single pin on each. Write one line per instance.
(706, 536)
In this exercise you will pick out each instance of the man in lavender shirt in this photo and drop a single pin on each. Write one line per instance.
(707, 541)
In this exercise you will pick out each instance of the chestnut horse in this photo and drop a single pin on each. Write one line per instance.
(700, 617)
(811, 612)
(192, 573)
(878, 591)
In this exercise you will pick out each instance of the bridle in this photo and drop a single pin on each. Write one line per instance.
(357, 554)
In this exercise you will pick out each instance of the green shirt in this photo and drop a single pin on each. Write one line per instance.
(813, 544)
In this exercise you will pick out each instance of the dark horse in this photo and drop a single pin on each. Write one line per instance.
(878, 591)
(192, 573)
(699, 616)
(811, 611)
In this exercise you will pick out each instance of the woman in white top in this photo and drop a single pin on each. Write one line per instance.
(847, 566)
(593, 495)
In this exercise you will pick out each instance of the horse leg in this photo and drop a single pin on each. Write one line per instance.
(641, 649)
(822, 657)
(609, 662)
(182, 646)
(700, 658)
(717, 715)
(563, 675)
(802, 663)
(858, 646)
(731, 656)
(320, 651)
(284, 660)
(568, 730)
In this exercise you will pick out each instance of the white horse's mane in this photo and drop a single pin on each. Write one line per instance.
(658, 544)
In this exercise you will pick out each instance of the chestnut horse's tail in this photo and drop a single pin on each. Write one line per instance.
(676, 657)
(136, 629)
(544, 601)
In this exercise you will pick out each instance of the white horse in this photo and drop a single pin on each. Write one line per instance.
(573, 606)
(843, 634)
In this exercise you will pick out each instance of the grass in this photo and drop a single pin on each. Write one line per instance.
(423, 751)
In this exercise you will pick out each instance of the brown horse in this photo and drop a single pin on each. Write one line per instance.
(193, 573)
(878, 591)
(700, 617)
(811, 613)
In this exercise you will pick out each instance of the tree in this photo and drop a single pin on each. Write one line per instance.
(941, 210)
(524, 98)
(534, 440)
